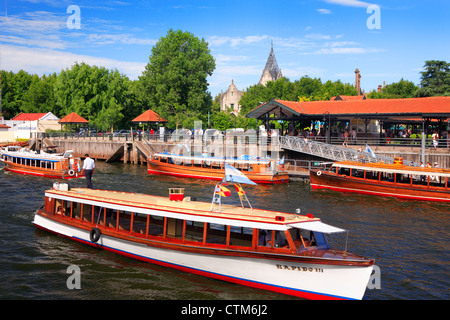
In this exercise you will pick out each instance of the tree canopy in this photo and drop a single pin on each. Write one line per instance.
(95, 93)
(435, 79)
(304, 89)
(175, 79)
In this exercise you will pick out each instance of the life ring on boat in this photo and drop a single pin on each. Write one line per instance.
(71, 172)
(319, 173)
(95, 234)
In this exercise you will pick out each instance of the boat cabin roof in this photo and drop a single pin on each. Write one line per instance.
(34, 156)
(393, 168)
(214, 159)
(192, 210)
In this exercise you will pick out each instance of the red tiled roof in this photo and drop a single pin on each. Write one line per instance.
(409, 106)
(28, 116)
(3, 126)
(73, 118)
(347, 98)
(149, 116)
(380, 106)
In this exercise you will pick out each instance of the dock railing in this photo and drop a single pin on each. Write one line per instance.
(332, 152)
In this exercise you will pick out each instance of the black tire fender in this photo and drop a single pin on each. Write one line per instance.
(95, 234)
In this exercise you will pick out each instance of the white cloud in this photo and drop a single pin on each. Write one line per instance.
(350, 3)
(102, 39)
(348, 50)
(44, 61)
(324, 11)
(318, 36)
(235, 41)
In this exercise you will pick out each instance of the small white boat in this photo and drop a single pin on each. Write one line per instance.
(50, 165)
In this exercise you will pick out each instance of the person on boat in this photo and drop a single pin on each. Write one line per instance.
(88, 167)
(60, 210)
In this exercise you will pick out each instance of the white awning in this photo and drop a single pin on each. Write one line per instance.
(316, 226)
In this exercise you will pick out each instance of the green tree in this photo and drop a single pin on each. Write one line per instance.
(95, 93)
(395, 90)
(14, 88)
(304, 89)
(40, 98)
(175, 79)
(435, 79)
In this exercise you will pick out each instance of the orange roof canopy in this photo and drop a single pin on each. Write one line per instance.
(421, 107)
(73, 118)
(149, 116)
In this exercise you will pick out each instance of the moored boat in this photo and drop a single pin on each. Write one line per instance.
(212, 168)
(44, 164)
(387, 180)
(282, 252)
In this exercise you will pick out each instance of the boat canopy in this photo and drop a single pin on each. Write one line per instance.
(389, 168)
(192, 216)
(214, 159)
(316, 226)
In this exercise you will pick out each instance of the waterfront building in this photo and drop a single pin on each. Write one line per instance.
(24, 125)
(229, 100)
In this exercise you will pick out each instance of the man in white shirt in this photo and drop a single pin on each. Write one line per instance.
(88, 167)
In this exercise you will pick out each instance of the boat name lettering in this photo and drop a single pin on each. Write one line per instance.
(295, 268)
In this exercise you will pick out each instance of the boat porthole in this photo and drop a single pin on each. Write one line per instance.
(95, 234)
(71, 172)
(319, 173)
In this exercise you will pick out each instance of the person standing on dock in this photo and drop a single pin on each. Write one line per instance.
(88, 167)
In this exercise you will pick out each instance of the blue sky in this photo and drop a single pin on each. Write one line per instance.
(327, 39)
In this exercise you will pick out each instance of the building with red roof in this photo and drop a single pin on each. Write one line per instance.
(366, 112)
(25, 124)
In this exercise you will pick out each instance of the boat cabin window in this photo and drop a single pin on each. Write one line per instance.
(194, 231)
(76, 210)
(87, 213)
(264, 237)
(124, 220)
(216, 233)
(62, 207)
(308, 239)
(139, 223)
(156, 226)
(241, 236)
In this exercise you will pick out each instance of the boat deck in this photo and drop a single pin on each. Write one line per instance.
(186, 206)
(394, 168)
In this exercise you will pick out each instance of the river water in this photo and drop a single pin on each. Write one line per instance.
(408, 240)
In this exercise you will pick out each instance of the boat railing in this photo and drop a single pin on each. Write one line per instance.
(332, 152)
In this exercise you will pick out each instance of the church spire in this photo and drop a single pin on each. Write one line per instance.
(271, 71)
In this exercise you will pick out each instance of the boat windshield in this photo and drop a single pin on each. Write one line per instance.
(307, 240)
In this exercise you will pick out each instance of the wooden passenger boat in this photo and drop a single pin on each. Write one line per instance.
(277, 251)
(390, 180)
(212, 168)
(44, 164)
